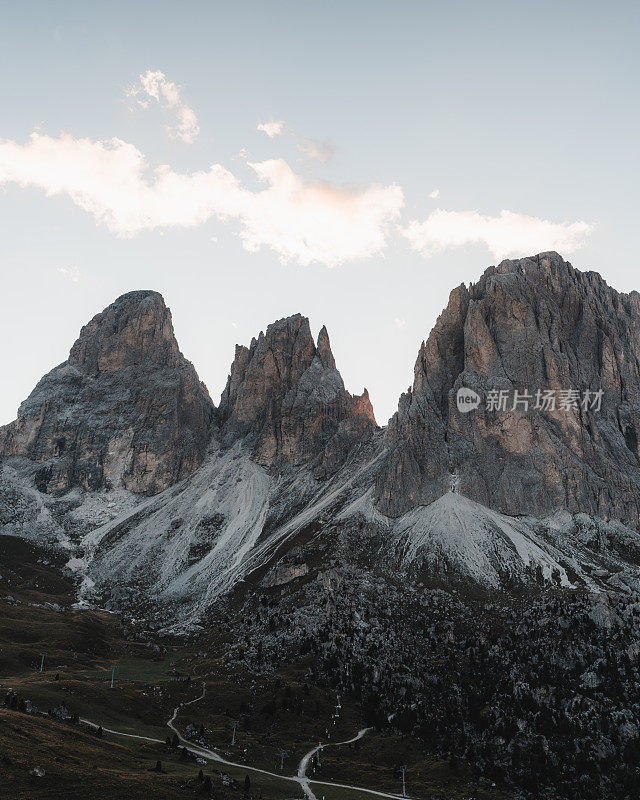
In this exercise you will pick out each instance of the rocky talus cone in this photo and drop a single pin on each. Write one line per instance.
(125, 410)
(285, 392)
(528, 324)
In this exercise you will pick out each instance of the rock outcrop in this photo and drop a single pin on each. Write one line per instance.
(285, 392)
(125, 410)
(528, 325)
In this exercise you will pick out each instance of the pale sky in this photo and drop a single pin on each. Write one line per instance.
(349, 161)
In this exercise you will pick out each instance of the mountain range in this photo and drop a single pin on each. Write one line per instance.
(170, 508)
(120, 454)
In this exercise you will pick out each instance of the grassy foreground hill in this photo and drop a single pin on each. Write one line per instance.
(46, 751)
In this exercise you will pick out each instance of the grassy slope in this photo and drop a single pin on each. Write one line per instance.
(274, 712)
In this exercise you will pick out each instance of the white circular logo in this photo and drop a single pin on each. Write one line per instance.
(467, 400)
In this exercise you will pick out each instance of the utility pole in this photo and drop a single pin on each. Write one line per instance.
(42, 661)
(113, 672)
(234, 725)
(403, 769)
(282, 755)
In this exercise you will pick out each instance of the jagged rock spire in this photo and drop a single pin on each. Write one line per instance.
(286, 393)
(323, 349)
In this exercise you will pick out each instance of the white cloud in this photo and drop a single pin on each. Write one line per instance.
(508, 234)
(274, 127)
(110, 179)
(434, 194)
(400, 322)
(320, 151)
(321, 222)
(72, 274)
(153, 85)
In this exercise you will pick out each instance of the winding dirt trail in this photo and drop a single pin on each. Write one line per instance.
(300, 778)
(304, 763)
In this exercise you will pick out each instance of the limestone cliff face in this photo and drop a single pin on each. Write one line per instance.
(125, 410)
(286, 393)
(529, 324)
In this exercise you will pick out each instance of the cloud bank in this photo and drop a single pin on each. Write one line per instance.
(301, 221)
(153, 85)
(508, 234)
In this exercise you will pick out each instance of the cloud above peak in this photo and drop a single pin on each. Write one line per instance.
(154, 86)
(317, 221)
(302, 221)
(507, 234)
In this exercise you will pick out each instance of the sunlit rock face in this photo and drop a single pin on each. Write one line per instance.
(285, 392)
(126, 410)
(528, 324)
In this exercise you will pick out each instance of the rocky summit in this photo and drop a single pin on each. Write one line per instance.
(534, 325)
(126, 409)
(286, 393)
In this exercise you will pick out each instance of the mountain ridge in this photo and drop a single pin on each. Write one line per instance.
(544, 496)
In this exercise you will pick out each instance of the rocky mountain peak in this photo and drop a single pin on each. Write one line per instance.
(286, 393)
(528, 325)
(136, 329)
(125, 410)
